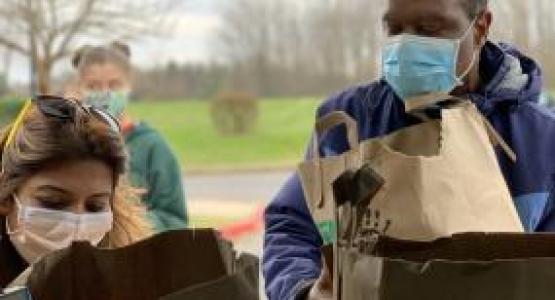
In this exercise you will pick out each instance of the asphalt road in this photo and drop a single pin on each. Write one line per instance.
(239, 186)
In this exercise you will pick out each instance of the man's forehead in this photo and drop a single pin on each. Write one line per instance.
(417, 9)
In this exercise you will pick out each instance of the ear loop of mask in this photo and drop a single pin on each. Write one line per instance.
(467, 71)
(19, 208)
(460, 78)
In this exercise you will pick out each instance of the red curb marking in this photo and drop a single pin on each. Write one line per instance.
(251, 224)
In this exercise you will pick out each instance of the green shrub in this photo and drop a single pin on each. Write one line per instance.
(235, 113)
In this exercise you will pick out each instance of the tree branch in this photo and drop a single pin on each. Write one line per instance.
(75, 27)
(13, 46)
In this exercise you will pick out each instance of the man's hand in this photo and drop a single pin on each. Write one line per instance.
(323, 287)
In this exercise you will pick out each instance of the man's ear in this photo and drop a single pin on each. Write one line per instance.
(483, 25)
(6, 206)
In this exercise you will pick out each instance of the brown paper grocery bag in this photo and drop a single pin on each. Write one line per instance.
(473, 266)
(317, 175)
(161, 266)
(441, 177)
(243, 284)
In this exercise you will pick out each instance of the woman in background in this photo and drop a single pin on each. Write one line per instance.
(105, 80)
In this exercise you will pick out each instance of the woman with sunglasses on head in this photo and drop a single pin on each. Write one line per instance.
(62, 180)
(105, 81)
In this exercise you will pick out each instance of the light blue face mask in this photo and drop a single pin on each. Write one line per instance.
(417, 65)
(112, 102)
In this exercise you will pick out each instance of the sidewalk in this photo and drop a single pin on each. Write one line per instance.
(222, 209)
(235, 186)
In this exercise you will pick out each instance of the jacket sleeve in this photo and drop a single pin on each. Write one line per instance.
(165, 199)
(292, 258)
(547, 222)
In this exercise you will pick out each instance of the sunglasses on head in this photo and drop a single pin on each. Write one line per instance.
(62, 109)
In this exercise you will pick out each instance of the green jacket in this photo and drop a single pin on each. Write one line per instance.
(154, 167)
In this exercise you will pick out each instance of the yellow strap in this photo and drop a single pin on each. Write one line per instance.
(17, 123)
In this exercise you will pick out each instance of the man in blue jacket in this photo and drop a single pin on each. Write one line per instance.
(433, 46)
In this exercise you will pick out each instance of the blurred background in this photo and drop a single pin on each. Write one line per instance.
(232, 84)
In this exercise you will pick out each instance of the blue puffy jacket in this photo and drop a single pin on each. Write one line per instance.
(508, 98)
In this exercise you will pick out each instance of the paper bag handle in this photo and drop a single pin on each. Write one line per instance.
(497, 140)
(330, 121)
(415, 103)
(494, 136)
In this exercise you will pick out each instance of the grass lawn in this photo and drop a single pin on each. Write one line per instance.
(279, 140)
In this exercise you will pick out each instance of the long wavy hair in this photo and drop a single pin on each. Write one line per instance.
(40, 141)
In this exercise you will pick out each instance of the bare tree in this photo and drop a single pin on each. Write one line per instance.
(347, 37)
(280, 45)
(45, 31)
(7, 62)
(256, 37)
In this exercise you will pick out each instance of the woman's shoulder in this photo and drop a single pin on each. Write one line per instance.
(146, 139)
(143, 132)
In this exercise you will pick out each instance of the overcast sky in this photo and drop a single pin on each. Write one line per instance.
(188, 42)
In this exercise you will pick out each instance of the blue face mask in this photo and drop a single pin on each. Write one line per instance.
(416, 65)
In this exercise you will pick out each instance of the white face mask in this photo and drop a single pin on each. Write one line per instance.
(42, 231)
